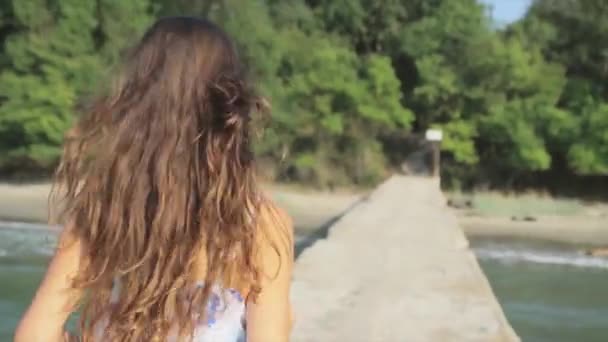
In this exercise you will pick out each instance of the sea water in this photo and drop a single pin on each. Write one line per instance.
(24, 254)
(549, 292)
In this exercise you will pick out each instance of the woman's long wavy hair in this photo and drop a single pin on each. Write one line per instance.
(155, 171)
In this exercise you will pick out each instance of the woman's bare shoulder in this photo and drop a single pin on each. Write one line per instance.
(275, 233)
(274, 219)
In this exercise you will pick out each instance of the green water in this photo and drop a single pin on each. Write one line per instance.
(549, 292)
(23, 257)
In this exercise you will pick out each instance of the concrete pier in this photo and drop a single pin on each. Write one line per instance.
(396, 267)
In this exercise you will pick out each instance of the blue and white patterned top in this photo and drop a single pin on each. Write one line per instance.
(225, 318)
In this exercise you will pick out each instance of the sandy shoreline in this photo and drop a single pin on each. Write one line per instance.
(578, 230)
(312, 210)
(24, 203)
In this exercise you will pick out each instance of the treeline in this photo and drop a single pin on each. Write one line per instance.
(350, 81)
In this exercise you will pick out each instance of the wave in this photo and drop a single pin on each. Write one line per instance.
(26, 225)
(18, 240)
(38, 240)
(508, 254)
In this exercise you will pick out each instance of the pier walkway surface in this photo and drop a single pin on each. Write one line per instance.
(395, 267)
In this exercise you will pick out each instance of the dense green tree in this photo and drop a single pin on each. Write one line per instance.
(120, 23)
(575, 35)
(53, 53)
(50, 55)
(580, 36)
(497, 95)
(348, 81)
(339, 105)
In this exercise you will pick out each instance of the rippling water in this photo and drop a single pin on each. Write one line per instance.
(550, 292)
(23, 257)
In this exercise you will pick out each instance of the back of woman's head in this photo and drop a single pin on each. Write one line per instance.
(156, 170)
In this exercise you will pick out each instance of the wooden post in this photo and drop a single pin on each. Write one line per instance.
(436, 167)
(434, 136)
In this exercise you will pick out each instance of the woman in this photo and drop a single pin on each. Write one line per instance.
(167, 236)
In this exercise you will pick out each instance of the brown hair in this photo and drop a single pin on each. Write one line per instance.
(156, 171)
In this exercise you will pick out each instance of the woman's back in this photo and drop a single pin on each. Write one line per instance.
(158, 193)
(224, 319)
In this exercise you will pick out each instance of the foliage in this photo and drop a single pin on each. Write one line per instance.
(52, 54)
(348, 80)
